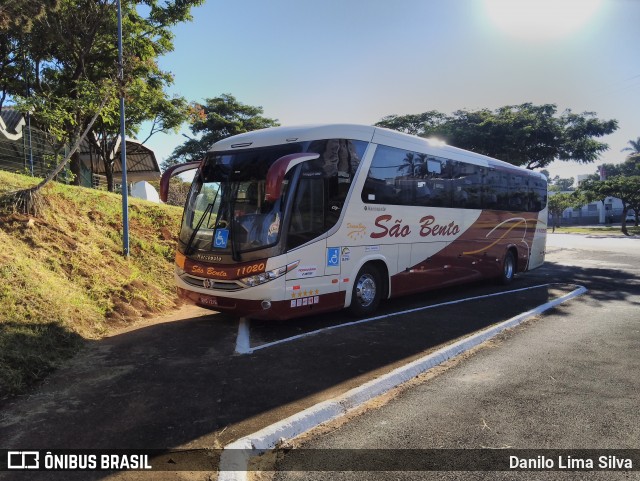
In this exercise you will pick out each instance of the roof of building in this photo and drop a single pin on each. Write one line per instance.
(141, 162)
(11, 123)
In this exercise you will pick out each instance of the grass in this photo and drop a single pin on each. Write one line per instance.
(63, 278)
(603, 231)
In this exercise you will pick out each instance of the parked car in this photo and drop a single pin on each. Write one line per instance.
(631, 217)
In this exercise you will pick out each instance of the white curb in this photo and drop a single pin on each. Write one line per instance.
(235, 456)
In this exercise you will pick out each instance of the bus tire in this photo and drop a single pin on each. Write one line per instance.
(508, 268)
(366, 292)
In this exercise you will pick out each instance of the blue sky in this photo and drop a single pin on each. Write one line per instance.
(356, 61)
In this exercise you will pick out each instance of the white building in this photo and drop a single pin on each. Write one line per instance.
(598, 212)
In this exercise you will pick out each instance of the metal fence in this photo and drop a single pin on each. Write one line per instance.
(32, 154)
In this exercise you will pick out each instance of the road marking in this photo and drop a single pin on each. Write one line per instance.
(235, 456)
(243, 341)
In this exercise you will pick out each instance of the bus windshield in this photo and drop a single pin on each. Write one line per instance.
(226, 211)
(243, 201)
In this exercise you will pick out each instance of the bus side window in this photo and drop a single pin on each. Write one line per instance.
(337, 191)
(307, 216)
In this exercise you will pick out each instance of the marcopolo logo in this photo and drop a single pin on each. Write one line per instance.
(23, 460)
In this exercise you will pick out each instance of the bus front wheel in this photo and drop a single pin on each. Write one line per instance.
(508, 268)
(366, 293)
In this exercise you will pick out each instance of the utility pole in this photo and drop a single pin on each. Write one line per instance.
(123, 144)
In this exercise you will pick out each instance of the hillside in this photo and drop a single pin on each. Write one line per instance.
(63, 278)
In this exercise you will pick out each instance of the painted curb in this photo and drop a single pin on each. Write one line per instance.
(235, 456)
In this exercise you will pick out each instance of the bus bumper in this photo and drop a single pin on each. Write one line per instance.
(259, 309)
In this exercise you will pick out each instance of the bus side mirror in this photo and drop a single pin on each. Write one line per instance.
(277, 171)
(175, 170)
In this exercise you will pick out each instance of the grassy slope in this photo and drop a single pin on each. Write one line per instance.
(63, 278)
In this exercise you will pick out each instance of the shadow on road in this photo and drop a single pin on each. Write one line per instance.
(179, 384)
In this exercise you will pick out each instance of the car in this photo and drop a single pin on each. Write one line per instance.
(631, 217)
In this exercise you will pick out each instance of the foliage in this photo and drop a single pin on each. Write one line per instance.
(634, 147)
(16, 20)
(625, 188)
(596, 231)
(178, 191)
(560, 201)
(22, 14)
(630, 167)
(526, 135)
(217, 119)
(559, 184)
(71, 54)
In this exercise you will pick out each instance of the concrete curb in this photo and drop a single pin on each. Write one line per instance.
(235, 456)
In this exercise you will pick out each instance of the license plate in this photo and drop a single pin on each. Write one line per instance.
(208, 300)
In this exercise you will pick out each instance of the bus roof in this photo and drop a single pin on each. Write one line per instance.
(367, 133)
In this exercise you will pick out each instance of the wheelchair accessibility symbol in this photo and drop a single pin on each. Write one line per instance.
(221, 238)
(333, 257)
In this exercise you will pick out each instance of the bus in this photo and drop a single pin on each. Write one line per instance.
(292, 221)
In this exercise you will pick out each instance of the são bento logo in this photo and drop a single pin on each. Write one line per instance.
(390, 227)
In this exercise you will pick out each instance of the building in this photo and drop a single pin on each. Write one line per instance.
(141, 164)
(23, 149)
(27, 150)
(599, 212)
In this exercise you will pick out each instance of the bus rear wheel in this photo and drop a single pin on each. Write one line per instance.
(366, 293)
(508, 268)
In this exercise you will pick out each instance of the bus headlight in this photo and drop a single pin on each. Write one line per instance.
(264, 277)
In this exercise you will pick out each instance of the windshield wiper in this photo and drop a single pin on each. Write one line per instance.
(208, 210)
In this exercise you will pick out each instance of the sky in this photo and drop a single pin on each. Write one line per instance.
(356, 61)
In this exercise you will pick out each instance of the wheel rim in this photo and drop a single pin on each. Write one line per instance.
(508, 267)
(366, 290)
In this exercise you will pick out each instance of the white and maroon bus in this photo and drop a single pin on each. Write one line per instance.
(292, 221)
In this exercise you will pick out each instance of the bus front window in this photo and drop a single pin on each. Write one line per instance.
(239, 201)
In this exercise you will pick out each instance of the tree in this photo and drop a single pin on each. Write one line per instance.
(557, 204)
(217, 119)
(526, 135)
(558, 184)
(29, 200)
(627, 189)
(414, 124)
(145, 101)
(16, 22)
(630, 167)
(634, 147)
(178, 190)
(22, 14)
(74, 48)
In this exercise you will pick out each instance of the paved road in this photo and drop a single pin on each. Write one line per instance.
(596, 243)
(179, 384)
(566, 380)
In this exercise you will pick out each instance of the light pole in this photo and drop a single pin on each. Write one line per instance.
(123, 143)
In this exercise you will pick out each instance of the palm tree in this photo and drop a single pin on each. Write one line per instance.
(414, 164)
(634, 149)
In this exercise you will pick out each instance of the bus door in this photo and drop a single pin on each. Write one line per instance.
(319, 270)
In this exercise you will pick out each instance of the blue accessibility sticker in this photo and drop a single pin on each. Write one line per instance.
(221, 238)
(333, 257)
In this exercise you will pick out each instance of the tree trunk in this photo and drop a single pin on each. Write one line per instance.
(108, 171)
(76, 168)
(28, 200)
(623, 223)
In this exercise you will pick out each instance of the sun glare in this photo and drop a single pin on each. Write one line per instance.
(540, 20)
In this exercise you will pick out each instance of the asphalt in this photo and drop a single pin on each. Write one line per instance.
(566, 380)
(179, 384)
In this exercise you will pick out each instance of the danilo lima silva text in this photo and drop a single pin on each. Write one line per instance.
(568, 462)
